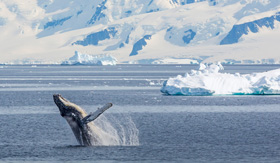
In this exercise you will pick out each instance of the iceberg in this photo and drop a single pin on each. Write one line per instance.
(208, 80)
(86, 59)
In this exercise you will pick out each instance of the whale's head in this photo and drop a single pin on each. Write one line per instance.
(73, 115)
(68, 109)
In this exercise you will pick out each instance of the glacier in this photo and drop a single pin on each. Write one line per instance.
(208, 80)
(87, 59)
(142, 31)
(243, 29)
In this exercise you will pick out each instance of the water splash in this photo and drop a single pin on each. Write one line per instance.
(114, 130)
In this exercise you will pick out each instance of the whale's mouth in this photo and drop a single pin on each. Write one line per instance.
(59, 98)
(61, 103)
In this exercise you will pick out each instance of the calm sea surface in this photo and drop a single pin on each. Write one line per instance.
(149, 126)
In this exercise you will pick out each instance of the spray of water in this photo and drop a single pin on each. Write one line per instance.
(116, 130)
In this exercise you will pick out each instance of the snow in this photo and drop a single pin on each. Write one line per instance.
(86, 59)
(209, 81)
(50, 31)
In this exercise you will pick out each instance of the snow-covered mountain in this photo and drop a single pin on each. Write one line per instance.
(141, 31)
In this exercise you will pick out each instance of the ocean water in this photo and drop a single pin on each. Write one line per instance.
(149, 126)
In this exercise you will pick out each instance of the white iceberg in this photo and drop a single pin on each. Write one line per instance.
(86, 59)
(208, 81)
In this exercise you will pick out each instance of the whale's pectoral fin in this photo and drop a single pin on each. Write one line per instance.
(97, 113)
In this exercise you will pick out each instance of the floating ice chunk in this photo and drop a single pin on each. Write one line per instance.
(86, 59)
(267, 85)
(208, 81)
(186, 91)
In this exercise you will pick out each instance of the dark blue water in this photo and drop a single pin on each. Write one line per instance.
(170, 128)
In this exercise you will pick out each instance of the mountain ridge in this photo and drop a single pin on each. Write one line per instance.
(136, 31)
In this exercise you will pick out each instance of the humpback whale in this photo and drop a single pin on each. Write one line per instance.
(86, 133)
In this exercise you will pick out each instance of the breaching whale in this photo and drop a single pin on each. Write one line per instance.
(86, 133)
